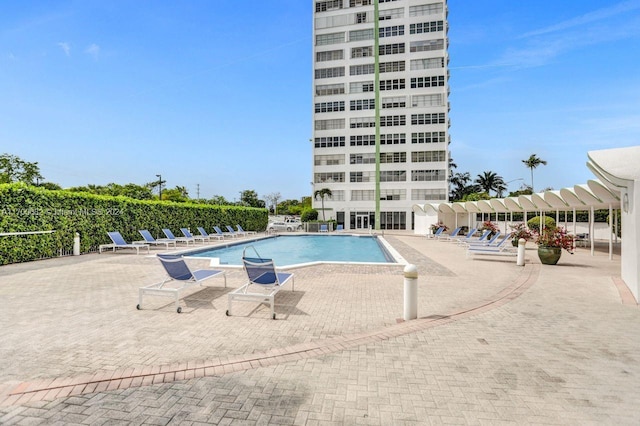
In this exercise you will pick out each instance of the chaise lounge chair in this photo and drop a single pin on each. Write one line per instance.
(339, 228)
(172, 237)
(264, 282)
(437, 233)
(224, 234)
(242, 231)
(323, 228)
(177, 270)
(117, 242)
(502, 248)
(451, 236)
(234, 232)
(187, 234)
(148, 239)
(204, 233)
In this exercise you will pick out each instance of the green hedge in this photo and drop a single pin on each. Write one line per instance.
(27, 208)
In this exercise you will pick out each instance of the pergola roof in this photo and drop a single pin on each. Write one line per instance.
(581, 197)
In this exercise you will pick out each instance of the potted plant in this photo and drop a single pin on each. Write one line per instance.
(436, 226)
(551, 241)
(487, 225)
(520, 230)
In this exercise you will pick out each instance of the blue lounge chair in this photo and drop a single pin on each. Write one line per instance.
(437, 233)
(117, 242)
(451, 236)
(187, 234)
(501, 248)
(469, 237)
(323, 228)
(224, 234)
(242, 231)
(263, 284)
(204, 233)
(339, 228)
(487, 241)
(233, 231)
(172, 237)
(148, 239)
(177, 271)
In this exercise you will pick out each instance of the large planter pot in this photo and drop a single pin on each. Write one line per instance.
(549, 255)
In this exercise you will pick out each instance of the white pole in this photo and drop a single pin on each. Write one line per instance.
(410, 292)
(521, 246)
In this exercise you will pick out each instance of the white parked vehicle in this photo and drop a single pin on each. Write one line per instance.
(289, 226)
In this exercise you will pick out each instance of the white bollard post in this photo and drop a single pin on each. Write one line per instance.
(410, 292)
(76, 245)
(521, 245)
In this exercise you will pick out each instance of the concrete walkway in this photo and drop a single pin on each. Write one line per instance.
(495, 343)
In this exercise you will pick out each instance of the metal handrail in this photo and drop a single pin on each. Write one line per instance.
(11, 234)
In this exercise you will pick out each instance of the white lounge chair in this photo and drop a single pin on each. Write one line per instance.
(117, 242)
(178, 271)
(323, 228)
(148, 239)
(502, 248)
(242, 231)
(264, 282)
(234, 232)
(224, 234)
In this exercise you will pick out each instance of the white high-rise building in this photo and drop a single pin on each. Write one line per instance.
(407, 110)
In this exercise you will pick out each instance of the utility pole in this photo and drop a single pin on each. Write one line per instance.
(159, 187)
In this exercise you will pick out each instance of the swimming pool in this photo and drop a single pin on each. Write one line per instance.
(288, 250)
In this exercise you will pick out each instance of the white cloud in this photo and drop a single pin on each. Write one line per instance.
(66, 48)
(93, 50)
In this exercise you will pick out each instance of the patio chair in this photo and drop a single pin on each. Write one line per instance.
(187, 234)
(224, 234)
(177, 271)
(323, 228)
(148, 239)
(117, 242)
(487, 241)
(234, 232)
(339, 228)
(204, 233)
(451, 236)
(242, 231)
(437, 233)
(172, 237)
(464, 239)
(264, 282)
(501, 248)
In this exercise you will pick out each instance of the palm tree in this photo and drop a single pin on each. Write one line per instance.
(490, 181)
(532, 162)
(461, 186)
(324, 192)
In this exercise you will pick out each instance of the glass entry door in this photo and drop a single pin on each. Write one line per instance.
(362, 220)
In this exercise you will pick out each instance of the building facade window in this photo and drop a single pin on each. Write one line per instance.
(329, 160)
(427, 100)
(330, 89)
(331, 55)
(362, 52)
(393, 220)
(392, 31)
(366, 158)
(433, 81)
(428, 137)
(329, 177)
(428, 175)
(361, 87)
(436, 118)
(336, 195)
(362, 122)
(426, 9)
(326, 39)
(393, 157)
(393, 139)
(362, 140)
(330, 72)
(426, 45)
(323, 6)
(362, 104)
(393, 176)
(426, 27)
(395, 66)
(394, 102)
(426, 64)
(393, 120)
(391, 49)
(330, 106)
(362, 69)
(354, 3)
(333, 124)
(428, 156)
(395, 84)
(387, 14)
(329, 142)
(393, 194)
(359, 35)
(423, 194)
(358, 177)
(362, 195)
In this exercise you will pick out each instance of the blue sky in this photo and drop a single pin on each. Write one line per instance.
(218, 93)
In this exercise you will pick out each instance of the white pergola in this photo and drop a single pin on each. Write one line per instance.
(617, 186)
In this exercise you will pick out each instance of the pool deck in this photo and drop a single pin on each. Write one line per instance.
(494, 343)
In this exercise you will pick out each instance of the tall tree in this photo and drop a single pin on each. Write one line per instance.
(461, 186)
(250, 198)
(532, 162)
(15, 169)
(490, 181)
(324, 192)
(272, 200)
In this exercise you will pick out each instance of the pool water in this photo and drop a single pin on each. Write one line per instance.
(293, 250)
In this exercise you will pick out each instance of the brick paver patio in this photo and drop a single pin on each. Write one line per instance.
(494, 343)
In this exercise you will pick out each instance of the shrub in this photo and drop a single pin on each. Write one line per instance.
(309, 215)
(534, 223)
